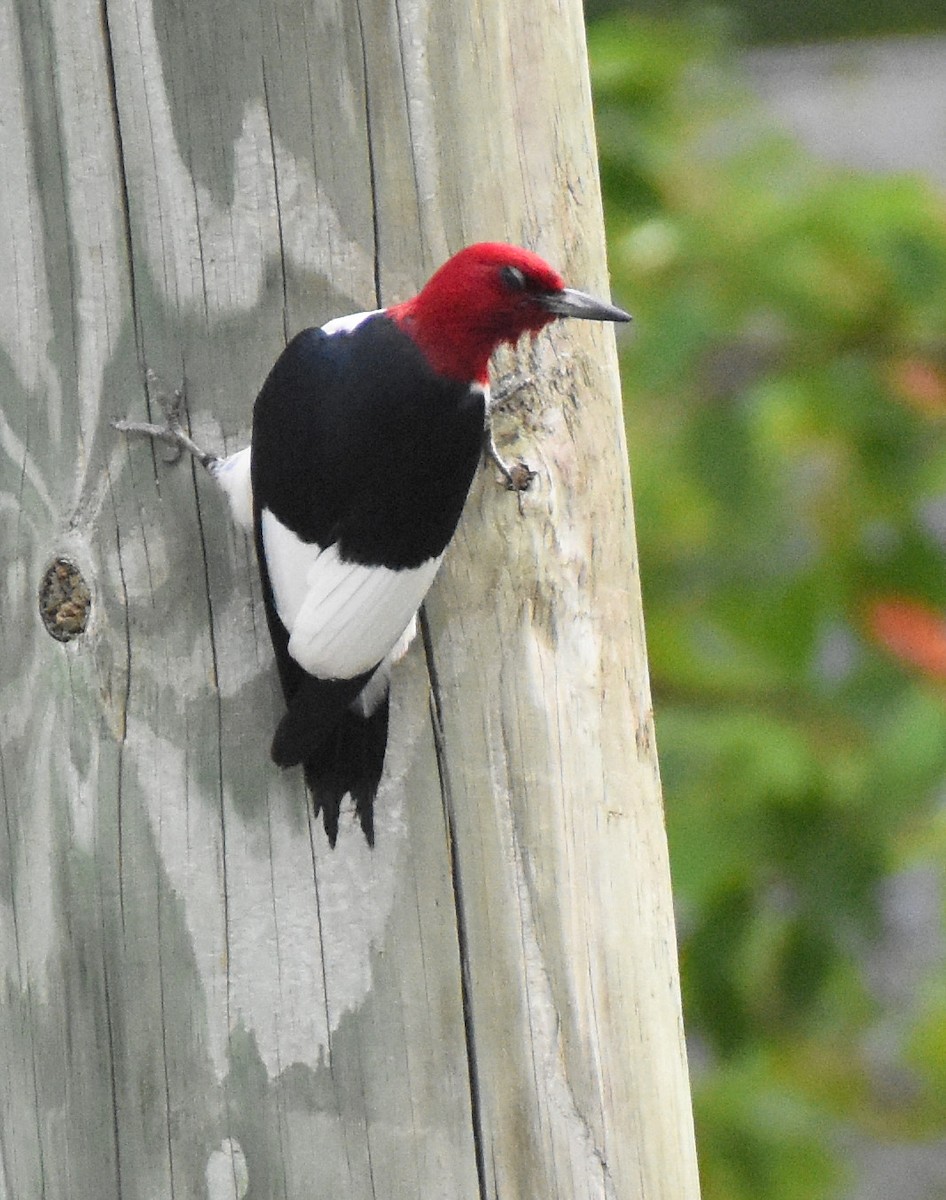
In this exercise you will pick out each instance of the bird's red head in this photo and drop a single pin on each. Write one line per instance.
(485, 295)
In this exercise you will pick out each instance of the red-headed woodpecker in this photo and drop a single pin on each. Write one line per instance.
(350, 518)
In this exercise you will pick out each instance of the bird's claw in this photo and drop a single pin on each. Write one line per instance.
(159, 433)
(519, 476)
(172, 432)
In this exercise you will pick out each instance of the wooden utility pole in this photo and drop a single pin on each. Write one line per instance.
(200, 999)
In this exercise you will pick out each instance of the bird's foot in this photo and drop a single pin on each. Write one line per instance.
(518, 475)
(172, 432)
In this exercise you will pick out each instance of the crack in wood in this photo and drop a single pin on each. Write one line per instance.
(466, 984)
(279, 222)
(372, 166)
(124, 196)
(162, 1005)
(112, 1074)
(125, 701)
(212, 635)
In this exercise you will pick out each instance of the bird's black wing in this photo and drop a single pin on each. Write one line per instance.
(361, 461)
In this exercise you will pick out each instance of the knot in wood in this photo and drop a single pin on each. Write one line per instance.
(64, 600)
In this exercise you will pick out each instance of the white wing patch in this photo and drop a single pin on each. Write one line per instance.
(343, 618)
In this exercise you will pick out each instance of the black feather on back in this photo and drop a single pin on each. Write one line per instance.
(357, 441)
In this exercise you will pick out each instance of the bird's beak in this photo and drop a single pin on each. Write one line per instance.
(570, 303)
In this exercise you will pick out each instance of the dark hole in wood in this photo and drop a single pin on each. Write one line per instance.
(64, 600)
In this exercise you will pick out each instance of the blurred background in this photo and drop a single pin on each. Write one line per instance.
(775, 184)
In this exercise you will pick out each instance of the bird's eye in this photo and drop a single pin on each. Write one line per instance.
(513, 278)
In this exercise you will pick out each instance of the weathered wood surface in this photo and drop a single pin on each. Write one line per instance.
(199, 998)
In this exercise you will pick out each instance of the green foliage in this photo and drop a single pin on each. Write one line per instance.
(799, 20)
(785, 396)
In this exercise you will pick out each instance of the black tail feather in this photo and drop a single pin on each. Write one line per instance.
(342, 751)
(312, 716)
(350, 764)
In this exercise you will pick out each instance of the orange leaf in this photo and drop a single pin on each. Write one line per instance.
(919, 383)
(911, 631)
